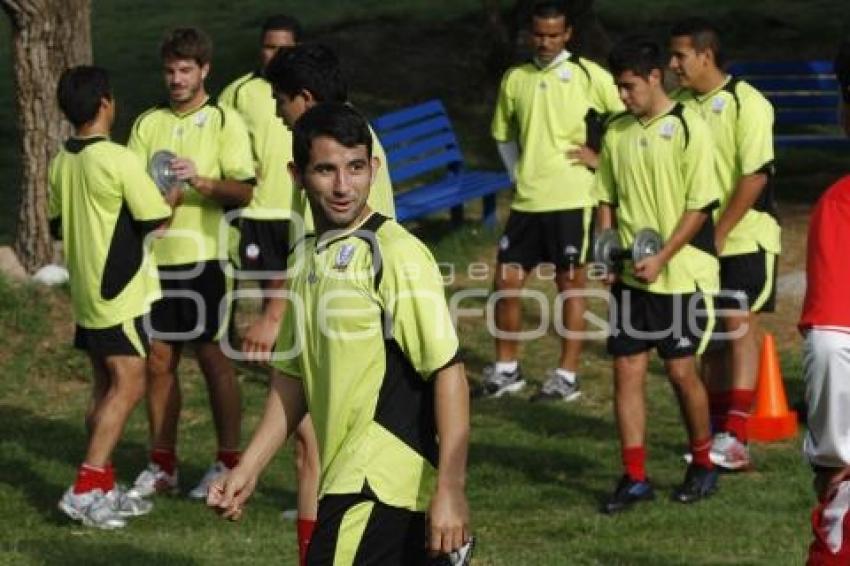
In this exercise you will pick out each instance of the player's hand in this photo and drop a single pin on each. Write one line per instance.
(185, 170)
(610, 278)
(448, 519)
(260, 339)
(585, 156)
(719, 242)
(174, 196)
(228, 493)
(649, 268)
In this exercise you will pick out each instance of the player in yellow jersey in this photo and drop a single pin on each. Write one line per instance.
(747, 233)
(103, 206)
(373, 355)
(541, 125)
(215, 168)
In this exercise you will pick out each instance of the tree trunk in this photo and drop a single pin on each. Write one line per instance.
(49, 36)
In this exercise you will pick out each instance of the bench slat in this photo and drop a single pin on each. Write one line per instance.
(409, 133)
(784, 84)
(408, 115)
(812, 141)
(401, 174)
(781, 67)
(804, 117)
(440, 142)
(804, 100)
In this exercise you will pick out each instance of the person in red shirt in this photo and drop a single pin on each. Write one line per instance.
(825, 325)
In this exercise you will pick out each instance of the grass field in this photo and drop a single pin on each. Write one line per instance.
(537, 473)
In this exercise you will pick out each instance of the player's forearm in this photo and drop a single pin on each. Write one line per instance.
(688, 226)
(604, 216)
(746, 194)
(226, 192)
(452, 414)
(285, 407)
(274, 305)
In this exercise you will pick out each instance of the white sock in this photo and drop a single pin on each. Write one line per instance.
(570, 376)
(507, 367)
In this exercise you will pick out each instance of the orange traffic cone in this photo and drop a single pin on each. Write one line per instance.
(771, 419)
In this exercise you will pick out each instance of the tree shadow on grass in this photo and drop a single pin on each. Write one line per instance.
(100, 552)
(546, 419)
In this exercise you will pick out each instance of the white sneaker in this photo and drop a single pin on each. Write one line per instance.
(289, 515)
(153, 480)
(200, 490)
(93, 508)
(730, 453)
(128, 503)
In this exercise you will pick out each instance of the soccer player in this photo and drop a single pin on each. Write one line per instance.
(656, 171)
(103, 205)
(825, 324)
(372, 354)
(265, 223)
(541, 127)
(746, 235)
(302, 77)
(215, 167)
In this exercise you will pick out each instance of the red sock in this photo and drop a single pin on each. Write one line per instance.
(110, 474)
(739, 412)
(165, 458)
(229, 458)
(92, 477)
(305, 533)
(718, 406)
(700, 450)
(634, 462)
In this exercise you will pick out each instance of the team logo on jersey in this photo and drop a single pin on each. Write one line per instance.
(542, 85)
(668, 129)
(571, 252)
(343, 258)
(684, 342)
(565, 74)
(718, 104)
(252, 251)
(504, 243)
(200, 119)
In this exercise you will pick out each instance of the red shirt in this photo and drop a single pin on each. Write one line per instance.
(827, 301)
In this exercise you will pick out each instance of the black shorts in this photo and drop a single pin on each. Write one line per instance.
(358, 529)
(752, 277)
(192, 307)
(263, 245)
(677, 326)
(126, 339)
(561, 237)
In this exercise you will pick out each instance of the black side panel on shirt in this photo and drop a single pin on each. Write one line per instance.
(704, 239)
(678, 112)
(731, 87)
(767, 199)
(406, 404)
(594, 124)
(125, 252)
(76, 145)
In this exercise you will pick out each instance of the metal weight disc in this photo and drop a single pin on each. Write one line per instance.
(647, 243)
(160, 170)
(607, 248)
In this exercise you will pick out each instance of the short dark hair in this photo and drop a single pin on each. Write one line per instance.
(637, 54)
(187, 43)
(546, 9)
(340, 122)
(703, 34)
(80, 91)
(282, 22)
(311, 67)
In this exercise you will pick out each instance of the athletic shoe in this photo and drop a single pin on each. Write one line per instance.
(557, 388)
(699, 483)
(289, 515)
(154, 480)
(200, 490)
(128, 503)
(729, 453)
(93, 508)
(627, 493)
(497, 383)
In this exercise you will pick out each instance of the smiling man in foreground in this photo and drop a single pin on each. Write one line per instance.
(371, 352)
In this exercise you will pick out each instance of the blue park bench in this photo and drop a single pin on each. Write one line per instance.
(425, 162)
(804, 95)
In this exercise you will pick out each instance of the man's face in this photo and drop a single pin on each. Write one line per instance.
(273, 40)
(687, 63)
(636, 92)
(289, 109)
(184, 78)
(337, 181)
(548, 37)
